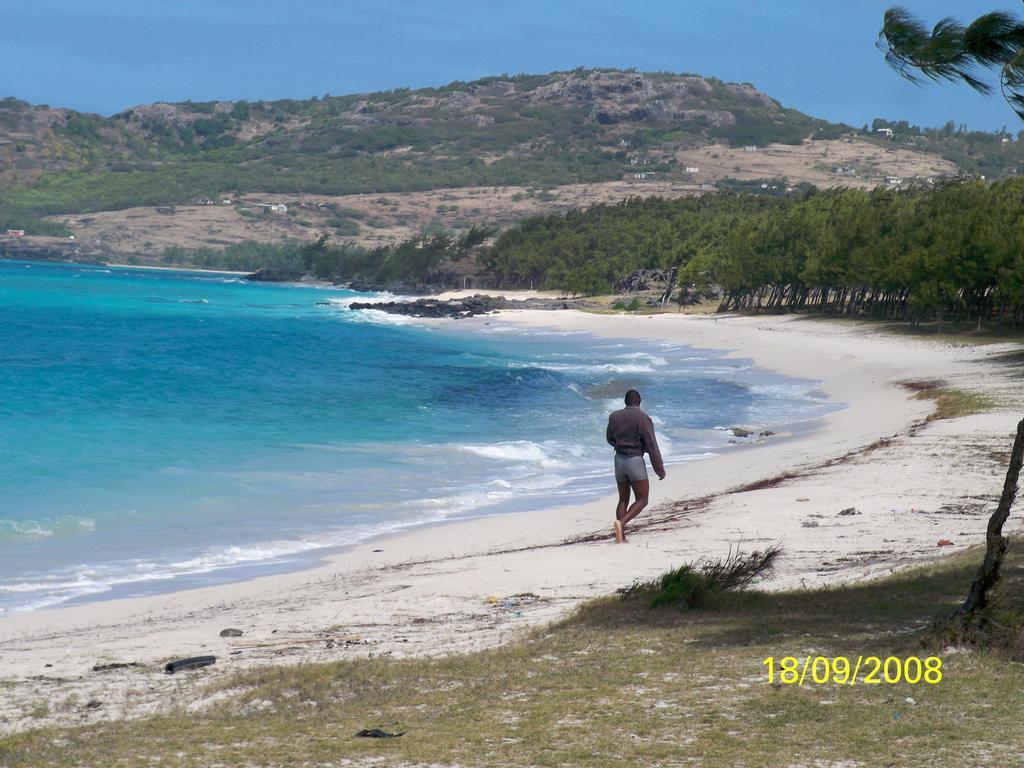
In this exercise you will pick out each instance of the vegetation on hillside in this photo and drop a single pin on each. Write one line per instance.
(992, 154)
(239, 257)
(587, 251)
(558, 128)
(952, 252)
(414, 262)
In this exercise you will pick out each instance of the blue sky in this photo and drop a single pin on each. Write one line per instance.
(815, 55)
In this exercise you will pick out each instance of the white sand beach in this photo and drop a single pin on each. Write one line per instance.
(472, 584)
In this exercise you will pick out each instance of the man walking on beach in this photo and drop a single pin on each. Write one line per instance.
(631, 433)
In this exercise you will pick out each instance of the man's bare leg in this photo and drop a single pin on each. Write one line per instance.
(621, 510)
(641, 488)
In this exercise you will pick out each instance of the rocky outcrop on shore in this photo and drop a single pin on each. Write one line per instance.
(46, 249)
(277, 275)
(468, 307)
(643, 280)
(664, 281)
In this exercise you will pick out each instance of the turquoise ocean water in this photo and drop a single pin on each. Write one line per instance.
(161, 430)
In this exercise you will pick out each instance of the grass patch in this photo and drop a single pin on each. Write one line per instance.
(959, 332)
(632, 306)
(695, 586)
(949, 403)
(615, 684)
(966, 333)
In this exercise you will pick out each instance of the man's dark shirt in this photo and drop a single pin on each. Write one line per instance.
(631, 432)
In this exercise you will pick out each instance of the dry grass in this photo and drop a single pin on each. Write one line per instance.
(956, 332)
(382, 219)
(813, 162)
(616, 684)
(949, 403)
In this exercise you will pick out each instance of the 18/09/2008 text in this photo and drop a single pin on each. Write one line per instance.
(841, 670)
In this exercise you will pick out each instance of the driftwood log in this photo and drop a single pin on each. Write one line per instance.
(996, 544)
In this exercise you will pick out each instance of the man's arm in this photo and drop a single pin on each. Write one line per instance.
(608, 433)
(651, 446)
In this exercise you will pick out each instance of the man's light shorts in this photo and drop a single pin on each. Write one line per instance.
(630, 468)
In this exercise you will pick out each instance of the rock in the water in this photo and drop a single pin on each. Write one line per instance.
(741, 432)
(231, 632)
(276, 275)
(849, 511)
(468, 307)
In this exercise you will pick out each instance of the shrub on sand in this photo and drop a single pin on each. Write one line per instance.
(691, 585)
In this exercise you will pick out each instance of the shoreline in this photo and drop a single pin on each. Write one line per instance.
(444, 589)
(173, 269)
(312, 559)
(306, 559)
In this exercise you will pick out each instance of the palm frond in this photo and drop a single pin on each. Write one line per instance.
(951, 52)
(993, 39)
(1011, 81)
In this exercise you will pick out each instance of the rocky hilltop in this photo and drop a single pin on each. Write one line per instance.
(34, 139)
(564, 127)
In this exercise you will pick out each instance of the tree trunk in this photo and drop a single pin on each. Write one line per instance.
(988, 573)
(671, 286)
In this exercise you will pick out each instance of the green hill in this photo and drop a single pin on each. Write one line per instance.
(559, 128)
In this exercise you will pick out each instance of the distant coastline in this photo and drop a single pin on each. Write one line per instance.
(176, 269)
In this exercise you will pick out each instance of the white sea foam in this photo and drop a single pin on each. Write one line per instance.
(787, 389)
(29, 528)
(85, 581)
(343, 302)
(593, 368)
(517, 450)
(652, 359)
(545, 482)
(45, 527)
(378, 317)
(371, 315)
(548, 455)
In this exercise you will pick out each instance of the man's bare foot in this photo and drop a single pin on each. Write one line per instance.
(620, 534)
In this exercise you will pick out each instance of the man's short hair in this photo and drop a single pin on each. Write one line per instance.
(632, 397)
